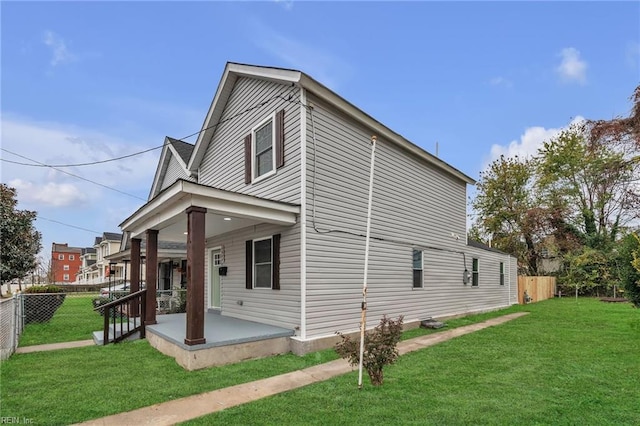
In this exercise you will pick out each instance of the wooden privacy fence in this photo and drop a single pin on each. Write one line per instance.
(537, 288)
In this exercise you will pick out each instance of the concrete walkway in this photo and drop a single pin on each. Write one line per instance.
(183, 409)
(54, 346)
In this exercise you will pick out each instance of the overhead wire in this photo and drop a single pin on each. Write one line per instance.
(69, 225)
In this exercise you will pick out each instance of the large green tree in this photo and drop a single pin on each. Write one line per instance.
(20, 241)
(595, 182)
(507, 213)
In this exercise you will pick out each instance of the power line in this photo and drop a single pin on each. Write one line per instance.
(93, 163)
(56, 167)
(70, 226)
(76, 176)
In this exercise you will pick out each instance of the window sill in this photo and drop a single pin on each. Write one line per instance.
(263, 177)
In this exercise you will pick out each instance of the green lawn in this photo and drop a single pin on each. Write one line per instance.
(566, 363)
(74, 320)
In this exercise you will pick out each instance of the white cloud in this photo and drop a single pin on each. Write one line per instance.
(51, 193)
(59, 51)
(528, 144)
(55, 143)
(572, 68)
(324, 66)
(501, 81)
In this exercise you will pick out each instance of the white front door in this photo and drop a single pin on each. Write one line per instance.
(214, 279)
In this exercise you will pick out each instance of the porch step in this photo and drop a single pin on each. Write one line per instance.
(98, 335)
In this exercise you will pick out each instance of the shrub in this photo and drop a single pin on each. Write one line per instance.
(629, 264)
(380, 348)
(39, 289)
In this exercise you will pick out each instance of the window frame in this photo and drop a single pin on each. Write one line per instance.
(255, 264)
(65, 267)
(254, 160)
(65, 277)
(501, 273)
(72, 257)
(60, 256)
(414, 269)
(475, 272)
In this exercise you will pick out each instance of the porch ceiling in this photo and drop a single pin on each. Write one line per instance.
(166, 212)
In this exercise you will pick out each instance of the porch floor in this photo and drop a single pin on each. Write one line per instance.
(219, 330)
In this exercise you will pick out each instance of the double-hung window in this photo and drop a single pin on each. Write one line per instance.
(263, 263)
(65, 267)
(501, 273)
(61, 257)
(264, 148)
(417, 269)
(263, 158)
(475, 273)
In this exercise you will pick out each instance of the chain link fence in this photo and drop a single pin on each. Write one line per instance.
(11, 325)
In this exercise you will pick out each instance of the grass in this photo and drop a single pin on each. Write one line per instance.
(566, 363)
(74, 320)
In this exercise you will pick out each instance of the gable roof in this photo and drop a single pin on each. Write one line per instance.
(233, 71)
(111, 236)
(182, 149)
(173, 148)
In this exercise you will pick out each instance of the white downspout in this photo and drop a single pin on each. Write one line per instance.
(303, 214)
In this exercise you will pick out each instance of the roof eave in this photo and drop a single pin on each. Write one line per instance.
(381, 130)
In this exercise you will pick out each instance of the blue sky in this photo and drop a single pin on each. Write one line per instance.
(94, 80)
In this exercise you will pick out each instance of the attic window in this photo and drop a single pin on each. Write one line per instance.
(264, 148)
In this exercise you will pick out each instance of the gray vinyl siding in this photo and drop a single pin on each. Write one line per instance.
(275, 307)
(414, 205)
(173, 173)
(223, 163)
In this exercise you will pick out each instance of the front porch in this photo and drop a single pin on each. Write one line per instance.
(227, 340)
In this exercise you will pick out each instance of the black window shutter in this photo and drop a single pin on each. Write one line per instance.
(247, 159)
(249, 265)
(280, 139)
(276, 262)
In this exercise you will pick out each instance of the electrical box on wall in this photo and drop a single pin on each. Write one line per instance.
(222, 271)
(466, 277)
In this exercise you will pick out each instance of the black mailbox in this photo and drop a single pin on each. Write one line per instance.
(222, 271)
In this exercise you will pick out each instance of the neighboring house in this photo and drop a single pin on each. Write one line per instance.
(87, 269)
(272, 204)
(96, 267)
(171, 262)
(65, 263)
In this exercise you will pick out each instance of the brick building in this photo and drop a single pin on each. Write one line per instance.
(66, 262)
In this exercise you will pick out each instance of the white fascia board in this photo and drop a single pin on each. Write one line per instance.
(382, 131)
(178, 157)
(162, 166)
(168, 207)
